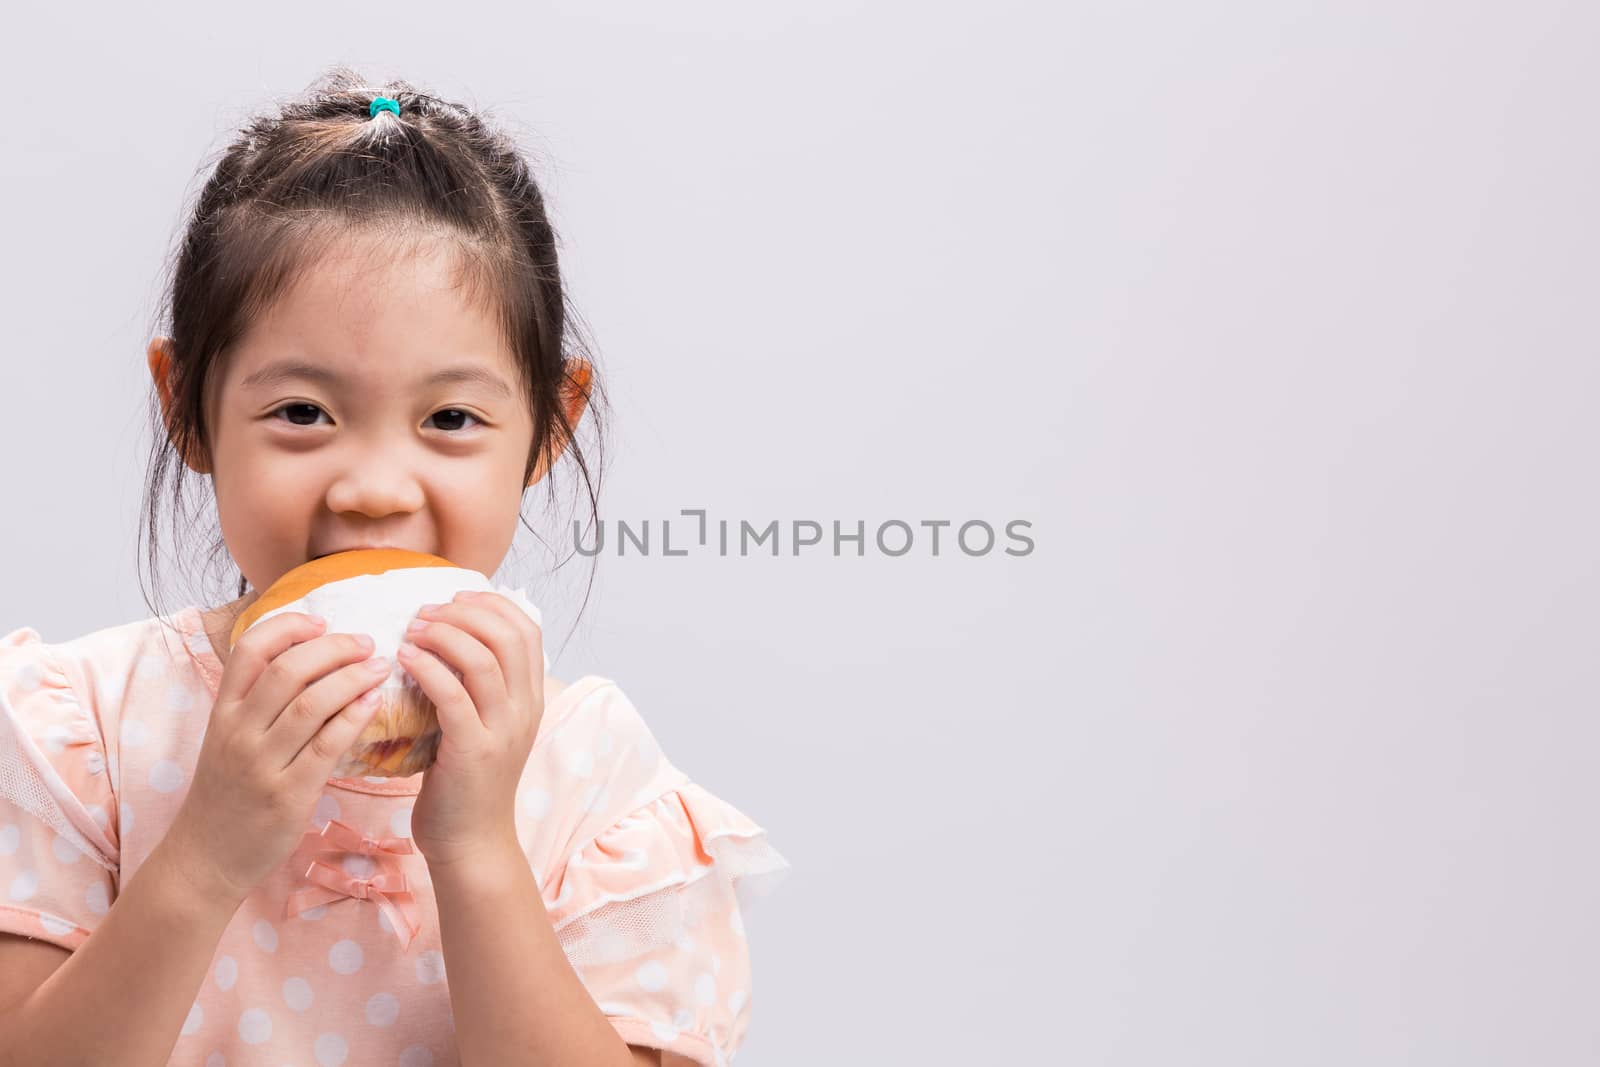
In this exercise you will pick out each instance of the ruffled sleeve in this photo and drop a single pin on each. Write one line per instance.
(650, 906)
(58, 848)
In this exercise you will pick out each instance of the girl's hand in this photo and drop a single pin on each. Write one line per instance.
(287, 710)
(489, 719)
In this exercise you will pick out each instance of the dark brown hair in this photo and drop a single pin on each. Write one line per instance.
(289, 186)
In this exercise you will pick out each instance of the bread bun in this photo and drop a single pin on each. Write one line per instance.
(377, 592)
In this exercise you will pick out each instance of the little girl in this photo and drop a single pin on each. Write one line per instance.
(366, 349)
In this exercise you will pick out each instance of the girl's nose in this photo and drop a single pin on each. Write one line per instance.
(375, 491)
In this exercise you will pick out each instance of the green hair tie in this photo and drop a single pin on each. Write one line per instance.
(383, 103)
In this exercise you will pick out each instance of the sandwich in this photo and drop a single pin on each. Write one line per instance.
(378, 591)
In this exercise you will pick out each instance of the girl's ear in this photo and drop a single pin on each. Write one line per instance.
(159, 358)
(574, 400)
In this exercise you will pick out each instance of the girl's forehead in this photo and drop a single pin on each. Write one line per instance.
(407, 328)
(425, 292)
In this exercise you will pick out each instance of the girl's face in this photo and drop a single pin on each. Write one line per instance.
(372, 406)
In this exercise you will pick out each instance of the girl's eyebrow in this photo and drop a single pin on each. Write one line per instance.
(286, 370)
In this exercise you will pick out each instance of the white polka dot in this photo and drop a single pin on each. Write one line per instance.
(611, 1007)
(56, 737)
(29, 677)
(705, 990)
(297, 993)
(255, 1027)
(345, 957)
(216, 1059)
(682, 1018)
(331, 1050)
(148, 666)
(400, 822)
(383, 1009)
(665, 1033)
(226, 973)
(536, 802)
(311, 915)
(602, 744)
(113, 762)
(65, 851)
(581, 763)
(111, 689)
(10, 839)
(358, 866)
(416, 1056)
(55, 924)
(134, 733)
(327, 808)
(736, 922)
(651, 976)
(95, 762)
(124, 820)
(266, 936)
(97, 898)
(634, 859)
(194, 1020)
(24, 885)
(430, 967)
(596, 797)
(98, 813)
(736, 1001)
(180, 698)
(165, 776)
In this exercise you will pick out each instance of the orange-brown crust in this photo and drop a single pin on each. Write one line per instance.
(299, 581)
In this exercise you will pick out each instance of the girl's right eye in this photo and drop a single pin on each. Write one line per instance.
(286, 407)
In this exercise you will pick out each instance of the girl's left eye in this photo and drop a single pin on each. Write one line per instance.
(312, 407)
(456, 411)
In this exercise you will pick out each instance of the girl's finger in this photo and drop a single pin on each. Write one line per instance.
(518, 644)
(483, 616)
(259, 646)
(306, 717)
(458, 718)
(338, 735)
(524, 641)
(480, 668)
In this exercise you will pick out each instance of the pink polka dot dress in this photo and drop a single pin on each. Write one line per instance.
(646, 876)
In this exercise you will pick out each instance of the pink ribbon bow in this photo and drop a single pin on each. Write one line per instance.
(387, 889)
